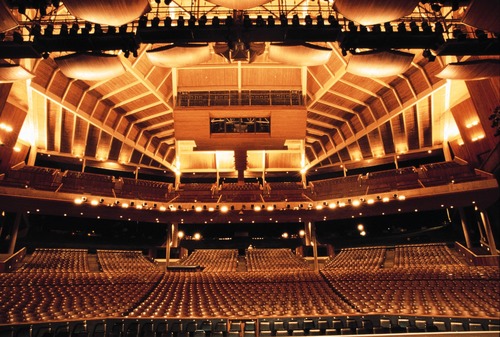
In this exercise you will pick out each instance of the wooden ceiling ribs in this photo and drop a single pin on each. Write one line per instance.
(382, 120)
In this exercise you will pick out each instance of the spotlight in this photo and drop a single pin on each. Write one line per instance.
(74, 29)
(36, 30)
(352, 26)
(111, 30)
(168, 21)
(143, 21)
(97, 29)
(247, 22)
(481, 35)
(320, 22)
(180, 21)
(333, 22)
(270, 21)
(283, 20)
(308, 20)
(191, 21)
(260, 21)
(454, 5)
(436, 7)
(17, 37)
(414, 27)
(123, 29)
(45, 55)
(215, 21)
(167, 2)
(49, 30)
(363, 29)
(377, 29)
(458, 34)
(426, 27)
(295, 20)
(229, 21)
(202, 22)
(401, 27)
(344, 52)
(388, 27)
(438, 28)
(155, 22)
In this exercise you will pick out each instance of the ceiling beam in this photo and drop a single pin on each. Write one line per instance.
(94, 121)
(423, 95)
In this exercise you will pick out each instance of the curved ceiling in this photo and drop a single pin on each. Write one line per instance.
(351, 121)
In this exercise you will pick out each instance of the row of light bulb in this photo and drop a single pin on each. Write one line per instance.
(256, 208)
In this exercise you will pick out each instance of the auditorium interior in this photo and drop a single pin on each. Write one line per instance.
(249, 168)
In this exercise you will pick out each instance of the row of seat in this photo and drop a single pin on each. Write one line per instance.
(216, 260)
(274, 259)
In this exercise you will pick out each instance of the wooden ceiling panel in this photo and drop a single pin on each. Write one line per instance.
(160, 120)
(53, 111)
(376, 143)
(377, 107)
(338, 137)
(387, 139)
(346, 130)
(133, 132)
(403, 89)
(390, 99)
(136, 157)
(102, 111)
(431, 69)
(159, 75)
(59, 84)
(425, 122)
(80, 139)
(344, 155)
(141, 103)
(129, 94)
(114, 150)
(88, 103)
(122, 126)
(365, 147)
(207, 79)
(352, 91)
(271, 78)
(365, 114)
(118, 84)
(355, 152)
(43, 72)
(331, 97)
(417, 79)
(320, 74)
(92, 141)
(356, 124)
(170, 155)
(367, 83)
(318, 149)
(310, 155)
(103, 146)
(411, 120)
(67, 124)
(313, 86)
(399, 133)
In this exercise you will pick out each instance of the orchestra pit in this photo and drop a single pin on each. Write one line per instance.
(250, 168)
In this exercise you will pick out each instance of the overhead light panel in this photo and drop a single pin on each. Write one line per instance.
(177, 56)
(239, 4)
(108, 12)
(370, 12)
(471, 70)
(379, 63)
(304, 54)
(13, 72)
(90, 66)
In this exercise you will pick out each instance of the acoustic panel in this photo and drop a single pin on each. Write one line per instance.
(379, 63)
(90, 66)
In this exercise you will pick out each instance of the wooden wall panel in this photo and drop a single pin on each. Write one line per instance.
(80, 140)
(271, 78)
